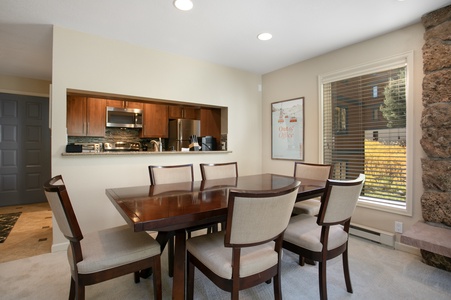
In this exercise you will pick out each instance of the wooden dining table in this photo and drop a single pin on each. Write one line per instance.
(172, 208)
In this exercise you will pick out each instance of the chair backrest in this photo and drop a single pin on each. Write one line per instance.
(62, 210)
(312, 171)
(339, 200)
(256, 217)
(219, 171)
(171, 174)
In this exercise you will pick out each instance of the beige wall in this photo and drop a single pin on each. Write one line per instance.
(86, 62)
(24, 86)
(302, 80)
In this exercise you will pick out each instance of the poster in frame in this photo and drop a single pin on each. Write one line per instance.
(287, 129)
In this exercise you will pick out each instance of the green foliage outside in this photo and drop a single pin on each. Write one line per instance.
(394, 107)
(385, 170)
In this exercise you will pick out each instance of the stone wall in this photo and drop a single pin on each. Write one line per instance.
(436, 126)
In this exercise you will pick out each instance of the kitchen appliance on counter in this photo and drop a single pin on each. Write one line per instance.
(180, 131)
(121, 146)
(207, 143)
(124, 117)
(84, 147)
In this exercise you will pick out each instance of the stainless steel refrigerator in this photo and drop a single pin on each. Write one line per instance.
(180, 131)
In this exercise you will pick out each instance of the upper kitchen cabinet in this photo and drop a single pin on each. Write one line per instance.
(124, 104)
(183, 112)
(155, 121)
(210, 122)
(85, 116)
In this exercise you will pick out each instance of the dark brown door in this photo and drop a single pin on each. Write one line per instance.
(24, 148)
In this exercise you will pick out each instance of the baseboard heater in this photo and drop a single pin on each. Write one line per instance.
(373, 234)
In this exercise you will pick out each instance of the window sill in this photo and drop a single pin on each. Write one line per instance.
(386, 206)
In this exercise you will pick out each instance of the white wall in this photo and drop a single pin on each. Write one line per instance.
(90, 63)
(302, 80)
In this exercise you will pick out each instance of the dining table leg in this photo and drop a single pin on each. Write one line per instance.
(178, 282)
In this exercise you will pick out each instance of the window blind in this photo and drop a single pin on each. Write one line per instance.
(364, 130)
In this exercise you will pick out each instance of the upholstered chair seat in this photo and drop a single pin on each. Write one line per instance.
(114, 247)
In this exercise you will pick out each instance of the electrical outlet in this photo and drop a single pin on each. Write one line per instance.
(398, 227)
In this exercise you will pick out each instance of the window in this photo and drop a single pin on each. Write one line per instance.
(364, 115)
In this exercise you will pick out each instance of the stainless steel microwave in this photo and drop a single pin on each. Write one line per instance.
(124, 117)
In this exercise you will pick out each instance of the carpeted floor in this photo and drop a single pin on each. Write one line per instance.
(7, 222)
(377, 272)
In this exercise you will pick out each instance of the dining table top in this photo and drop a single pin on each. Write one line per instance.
(169, 207)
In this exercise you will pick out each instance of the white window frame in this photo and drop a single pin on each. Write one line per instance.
(400, 60)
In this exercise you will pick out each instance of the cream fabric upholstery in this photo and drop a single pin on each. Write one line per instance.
(311, 171)
(260, 219)
(113, 247)
(348, 197)
(210, 250)
(219, 171)
(305, 232)
(310, 207)
(172, 175)
(316, 172)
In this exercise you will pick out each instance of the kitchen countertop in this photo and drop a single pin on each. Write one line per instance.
(109, 153)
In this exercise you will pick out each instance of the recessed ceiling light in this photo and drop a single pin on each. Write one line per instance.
(183, 4)
(264, 36)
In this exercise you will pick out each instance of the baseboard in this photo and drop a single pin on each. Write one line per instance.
(375, 235)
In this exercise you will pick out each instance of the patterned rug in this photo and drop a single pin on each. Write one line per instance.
(7, 222)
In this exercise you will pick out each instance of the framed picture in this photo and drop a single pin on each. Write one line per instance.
(287, 129)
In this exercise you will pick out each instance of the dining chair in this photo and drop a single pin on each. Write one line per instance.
(249, 251)
(326, 236)
(219, 170)
(310, 171)
(101, 255)
(175, 174)
(213, 171)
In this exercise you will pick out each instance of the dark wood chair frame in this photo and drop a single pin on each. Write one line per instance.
(236, 284)
(325, 255)
(79, 281)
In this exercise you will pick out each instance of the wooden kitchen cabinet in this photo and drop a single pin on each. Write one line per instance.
(155, 120)
(124, 104)
(85, 116)
(210, 123)
(183, 112)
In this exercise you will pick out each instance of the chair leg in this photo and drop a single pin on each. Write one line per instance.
(190, 279)
(301, 260)
(346, 271)
(322, 281)
(137, 277)
(80, 293)
(277, 288)
(171, 256)
(157, 289)
(72, 289)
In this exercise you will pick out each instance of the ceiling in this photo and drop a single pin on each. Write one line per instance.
(219, 31)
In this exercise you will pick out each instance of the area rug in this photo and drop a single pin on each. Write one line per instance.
(7, 222)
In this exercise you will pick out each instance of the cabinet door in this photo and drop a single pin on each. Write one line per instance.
(155, 121)
(190, 113)
(175, 112)
(134, 104)
(114, 103)
(76, 116)
(210, 122)
(95, 117)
